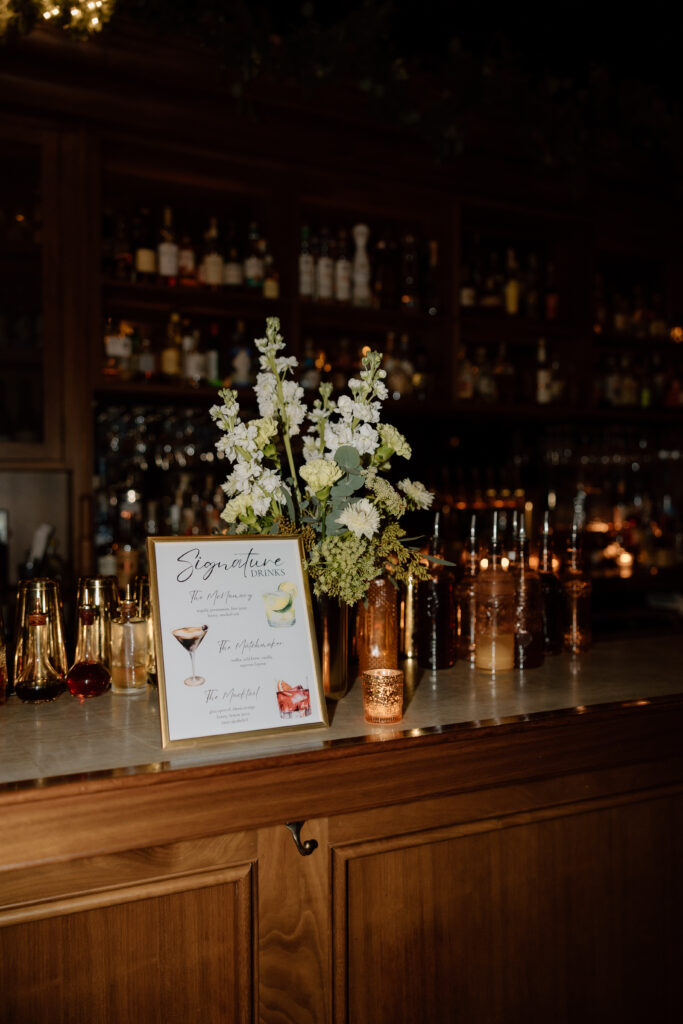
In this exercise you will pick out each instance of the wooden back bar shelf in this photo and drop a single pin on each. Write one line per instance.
(511, 851)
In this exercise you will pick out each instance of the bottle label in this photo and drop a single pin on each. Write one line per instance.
(233, 274)
(468, 296)
(170, 362)
(253, 270)
(195, 366)
(168, 259)
(186, 263)
(342, 281)
(271, 288)
(325, 271)
(145, 261)
(118, 346)
(211, 365)
(213, 269)
(361, 285)
(306, 275)
(544, 386)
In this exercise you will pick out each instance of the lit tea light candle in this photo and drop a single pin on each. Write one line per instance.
(495, 654)
(383, 696)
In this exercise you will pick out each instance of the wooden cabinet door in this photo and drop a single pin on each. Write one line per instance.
(562, 915)
(160, 936)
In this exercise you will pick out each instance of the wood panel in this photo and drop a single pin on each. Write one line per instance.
(564, 919)
(295, 931)
(166, 952)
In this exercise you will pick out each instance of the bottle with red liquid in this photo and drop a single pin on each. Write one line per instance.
(89, 676)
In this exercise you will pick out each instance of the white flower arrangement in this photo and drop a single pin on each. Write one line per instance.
(332, 493)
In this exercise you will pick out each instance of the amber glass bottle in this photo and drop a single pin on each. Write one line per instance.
(577, 594)
(436, 610)
(528, 606)
(494, 591)
(465, 605)
(551, 593)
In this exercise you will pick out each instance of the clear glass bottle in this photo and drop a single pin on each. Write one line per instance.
(167, 251)
(577, 593)
(436, 610)
(39, 680)
(89, 676)
(551, 594)
(465, 604)
(528, 606)
(129, 649)
(494, 592)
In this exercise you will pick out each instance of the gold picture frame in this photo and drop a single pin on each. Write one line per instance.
(215, 587)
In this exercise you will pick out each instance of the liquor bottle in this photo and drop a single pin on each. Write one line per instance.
(240, 358)
(171, 354)
(129, 649)
(544, 377)
(187, 263)
(436, 610)
(324, 271)
(310, 370)
(464, 380)
(512, 288)
(361, 295)
(465, 604)
(552, 298)
(145, 253)
(384, 283)
(468, 293)
(484, 381)
(432, 297)
(89, 676)
(410, 295)
(577, 592)
(494, 592)
(118, 350)
(122, 257)
(342, 270)
(167, 251)
(306, 265)
(212, 262)
(216, 373)
(551, 594)
(531, 297)
(253, 264)
(492, 296)
(233, 269)
(147, 360)
(195, 361)
(504, 376)
(38, 679)
(528, 606)
(399, 378)
(423, 377)
(271, 278)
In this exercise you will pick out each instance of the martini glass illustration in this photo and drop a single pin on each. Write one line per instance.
(190, 637)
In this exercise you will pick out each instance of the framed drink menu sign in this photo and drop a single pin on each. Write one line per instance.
(234, 637)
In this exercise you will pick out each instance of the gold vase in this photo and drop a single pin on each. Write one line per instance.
(377, 626)
(332, 630)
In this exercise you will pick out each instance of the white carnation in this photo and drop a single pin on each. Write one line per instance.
(361, 518)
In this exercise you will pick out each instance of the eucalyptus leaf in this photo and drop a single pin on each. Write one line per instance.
(347, 457)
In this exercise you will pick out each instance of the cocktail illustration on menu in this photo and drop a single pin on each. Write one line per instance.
(279, 605)
(190, 637)
(293, 701)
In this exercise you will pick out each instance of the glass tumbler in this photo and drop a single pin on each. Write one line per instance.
(100, 592)
(142, 597)
(40, 599)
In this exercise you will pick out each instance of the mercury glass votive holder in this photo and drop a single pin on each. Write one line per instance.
(383, 695)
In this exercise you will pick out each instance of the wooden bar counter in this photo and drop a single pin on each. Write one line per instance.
(512, 851)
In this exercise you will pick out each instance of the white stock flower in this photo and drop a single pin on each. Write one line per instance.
(365, 439)
(361, 518)
(416, 492)
(393, 438)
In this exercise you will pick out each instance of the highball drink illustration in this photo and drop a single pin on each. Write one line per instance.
(293, 701)
(279, 605)
(190, 637)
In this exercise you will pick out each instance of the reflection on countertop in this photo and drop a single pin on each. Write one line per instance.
(41, 744)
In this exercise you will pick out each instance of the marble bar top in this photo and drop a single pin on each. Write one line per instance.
(44, 744)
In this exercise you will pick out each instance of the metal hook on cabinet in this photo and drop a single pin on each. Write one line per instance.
(308, 846)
